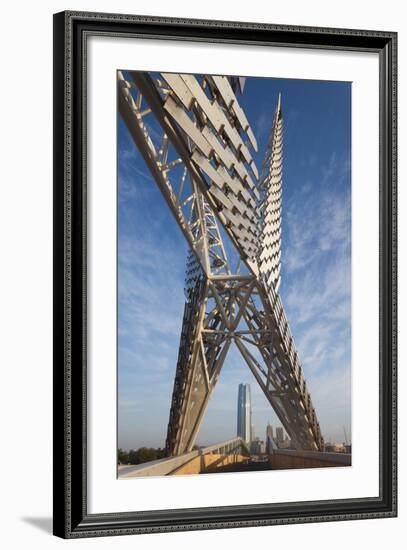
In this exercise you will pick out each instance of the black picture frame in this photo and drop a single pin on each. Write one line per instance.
(71, 518)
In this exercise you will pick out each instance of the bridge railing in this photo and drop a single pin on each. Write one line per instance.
(171, 465)
(281, 459)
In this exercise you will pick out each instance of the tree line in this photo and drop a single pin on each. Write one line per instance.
(144, 454)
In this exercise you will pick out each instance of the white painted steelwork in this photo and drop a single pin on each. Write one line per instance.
(197, 142)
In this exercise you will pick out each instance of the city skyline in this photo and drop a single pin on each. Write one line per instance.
(277, 432)
(316, 194)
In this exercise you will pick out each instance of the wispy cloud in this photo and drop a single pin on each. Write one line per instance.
(329, 170)
(314, 226)
(316, 288)
(331, 393)
(263, 124)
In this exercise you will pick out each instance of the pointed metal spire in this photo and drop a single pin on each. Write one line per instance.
(269, 258)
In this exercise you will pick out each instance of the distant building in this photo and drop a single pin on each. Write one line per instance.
(337, 448)
(270, 445)
(244, 413)
(269, 431)
(279, 436)
(257, 447)
(286, 444)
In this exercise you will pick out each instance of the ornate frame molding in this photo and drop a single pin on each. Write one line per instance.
(71, 30)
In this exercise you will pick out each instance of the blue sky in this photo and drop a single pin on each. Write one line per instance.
(315, 276)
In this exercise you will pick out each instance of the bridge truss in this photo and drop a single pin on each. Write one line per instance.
(197, 142)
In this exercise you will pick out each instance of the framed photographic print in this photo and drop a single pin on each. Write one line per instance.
(224, 274)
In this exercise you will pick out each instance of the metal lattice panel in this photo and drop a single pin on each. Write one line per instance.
(269, 258)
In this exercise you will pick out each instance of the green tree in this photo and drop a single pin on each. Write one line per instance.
(122, 456)
(139, 456)
(161, 453)
(133, 457)
(146, 454)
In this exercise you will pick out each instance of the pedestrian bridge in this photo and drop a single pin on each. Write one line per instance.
(209, 459)
(233, 455)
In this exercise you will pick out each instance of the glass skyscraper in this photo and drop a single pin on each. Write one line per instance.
(244, 413)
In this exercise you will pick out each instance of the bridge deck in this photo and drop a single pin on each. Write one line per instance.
(233, 456)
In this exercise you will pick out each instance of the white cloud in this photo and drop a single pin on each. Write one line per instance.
(331, 393)
(329, 171)
(316, 291)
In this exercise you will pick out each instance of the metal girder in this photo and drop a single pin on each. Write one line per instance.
(200, 359)
(278, 370)
(196, 140)
(238, 310)
(206, 139)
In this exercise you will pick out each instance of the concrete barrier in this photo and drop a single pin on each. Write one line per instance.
(209, 463)
(282, 459)
(194, 462)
